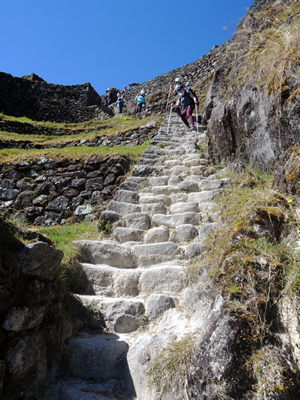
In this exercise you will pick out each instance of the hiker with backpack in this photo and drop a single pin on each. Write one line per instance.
(174, 91)
(141, 101)
(186, 104)
(120, 104)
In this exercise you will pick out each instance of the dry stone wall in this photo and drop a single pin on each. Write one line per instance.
(39, 100)
(194, 72)
(48, 191)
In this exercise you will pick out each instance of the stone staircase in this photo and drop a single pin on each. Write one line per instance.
(161, 216)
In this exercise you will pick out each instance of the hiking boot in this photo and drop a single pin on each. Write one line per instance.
(193, 128)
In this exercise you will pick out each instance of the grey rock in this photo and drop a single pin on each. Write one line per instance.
(149, 198)
(22, 318)
(166, 190)
(163, 278)
(137, 221)
(123, 235)
(12, 174)
(141, 170)
(171, 221)
(123, 208)
(157, 235)
(154, 253)
(188, 186)
(27, 353)
(178, 197)
(205, 230)
(110, 216)
(205, 196)
(110, 253)
(207, 184)
(83, 210)
(185, 232)
(157, 304)
(158, 181)
(40, 260)
(154, 208)
(99, 357)
(174, 180)
(126, 283)
(183, 207)
(41, 200)
(33, 212)
(193, 250)
(61, 203)
(8, 194)
(127, 196)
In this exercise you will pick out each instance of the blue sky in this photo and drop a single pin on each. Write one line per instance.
(110, 43)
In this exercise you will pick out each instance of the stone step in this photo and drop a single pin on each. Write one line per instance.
(179, 170)
(129, 185)
(122, 207)
(205, 196)
(188, 186)
(173, 163)
(158, 181)
(153, 253)
(154, 208)
(171, 221)
(127, 196)
(157, 235)
(183, 207)
(121, 315)
(106, 252)
(149, 198)
(104, 280)
(96, 357)
(124, 235)
(137, 221)
(78, 389)
(142, 170)
(163, 278)
(164, 190)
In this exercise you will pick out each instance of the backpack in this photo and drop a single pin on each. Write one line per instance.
(189, 90)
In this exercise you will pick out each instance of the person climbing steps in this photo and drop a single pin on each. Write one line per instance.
(186, 102)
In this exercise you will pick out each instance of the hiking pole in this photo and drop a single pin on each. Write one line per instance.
(169, 119)
(168, 99)
(197, 118)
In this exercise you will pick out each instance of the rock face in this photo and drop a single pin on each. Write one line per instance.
(32, 312)
(249, 120)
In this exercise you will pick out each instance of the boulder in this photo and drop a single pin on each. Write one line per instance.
(157, 304)
(40, 260)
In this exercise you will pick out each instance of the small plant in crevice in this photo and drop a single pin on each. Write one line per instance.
(105, 227)
(171, 364)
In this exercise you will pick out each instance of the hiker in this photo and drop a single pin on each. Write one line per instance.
(186, 102)
(174, 91)
(108, 98)
(141, 101)
(120, 104)
(124, 89)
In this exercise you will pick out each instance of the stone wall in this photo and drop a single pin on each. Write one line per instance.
(47, 191)
(39, 100)
(35, 322)
(157, 89)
